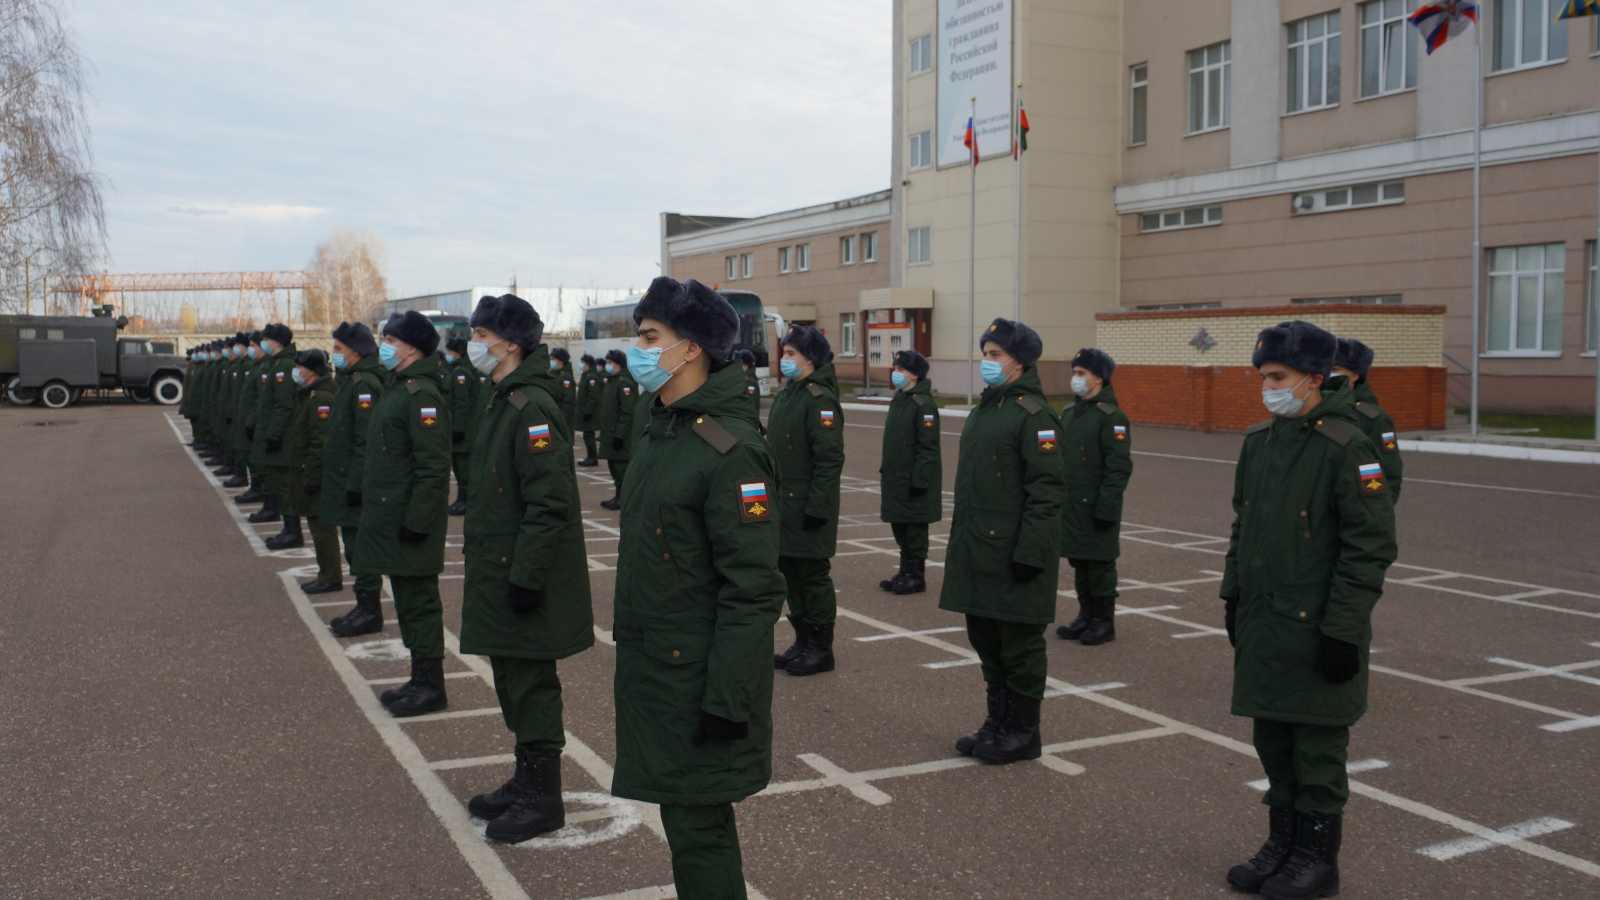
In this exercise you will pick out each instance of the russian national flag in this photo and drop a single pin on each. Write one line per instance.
(753, 493)
(971, 141)
(1441, 21)
(538, 431)
(1371, 470)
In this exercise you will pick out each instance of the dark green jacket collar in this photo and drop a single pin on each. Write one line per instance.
(534, 371)
(425, 367)
(923, 386)
(1028, 383)
(1106, 395)
(822, 376)
(722, 395)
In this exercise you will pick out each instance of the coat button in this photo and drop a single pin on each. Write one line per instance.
(676, 654)
(697, 421)
(1302, 614)
(502, 559)
(1302, 514)
(991, 531)
(658, 532)
(666, 556)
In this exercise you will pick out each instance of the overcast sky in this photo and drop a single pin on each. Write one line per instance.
(474, 138)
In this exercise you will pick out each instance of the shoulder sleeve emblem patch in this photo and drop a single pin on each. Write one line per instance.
(1047, 441)
(461, 379)
(928, 420)
(279, 375)
(1119, 432)
(827, 418)
(749, 389)
(754, 504)
(1390, 445)
(364, 401)
(263, 378)
(627, 391)
(1372, 480)
(539, 438)
(324, 411)
(429, 415)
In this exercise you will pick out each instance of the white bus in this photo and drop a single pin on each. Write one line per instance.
(611, 327)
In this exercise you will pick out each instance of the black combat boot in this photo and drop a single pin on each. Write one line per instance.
(426, 692)
(241, 478)
(588, 462)
(537, 809)
(490, 806)
(253, 495)
(268, 511)
(290, 537)
(913, 582)
(321, 587)
(1102, 622)
(998, 697)
(387, 698)
(1017, 738)
(888, 583)
(226, 469)
(802, 633)
(614, 502)
(1072, 630)
(366, 618)
(1313, 867)
(459, 508)
(1247, 878)
(816, 656)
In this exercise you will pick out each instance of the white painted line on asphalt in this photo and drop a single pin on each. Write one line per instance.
(1496, 487)
(1502, 451)
(851, 782)
(1572, 724)
(452, 714)
(1360, 765)
(1487, 695)
(1086, 689)
(402, 680)
(1545, 670)
(664, 892)
(350, 602)
(950, 663)
(890, 637)
(1143, 610)
(1126, 737)
(1522, 676)
(499, 759)
(1056, 764)
(1209, 459)
(1509, 835)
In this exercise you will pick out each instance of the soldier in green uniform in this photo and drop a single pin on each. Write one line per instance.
(244, 415)
(201, 389)
(1313, 534)
(911, 491)
(274, 413)
(1353, 362)
(752, 384)
(464, 384)
(561, 367)
(616, 421)
(312, 409)
(1095, 431)
(344, 467)
(1003, 558)
(591, 386)
(226, 387)
(238, 382)
(698, 590)
(404, 500)
(805, 431)
(526, 598)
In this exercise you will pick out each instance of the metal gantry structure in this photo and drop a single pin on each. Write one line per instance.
(254, 288)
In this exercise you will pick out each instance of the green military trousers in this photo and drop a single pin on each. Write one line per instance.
(364, 582)
(706, 863)
(619, 468)
(275, 482)
(1094, 577)
(530, 702)
(1305, 766)
(461, 463)
(811, 593)
(912, 537)
(325, 538)
(589, 445)
(1012, 654)
(421, 614)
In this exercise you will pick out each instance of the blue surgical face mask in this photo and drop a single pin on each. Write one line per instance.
(645, 366)
(899, 379)
(298, 378)
(993, 373)
(337, 360)
(611, 368)
(555, 364)
(250, 352)
(478, 354)
(789, 368)
(1080, 385)
(388, 356)
(1283, 402)
(451, 358)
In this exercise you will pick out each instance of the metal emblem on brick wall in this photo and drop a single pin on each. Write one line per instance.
(1202, 341)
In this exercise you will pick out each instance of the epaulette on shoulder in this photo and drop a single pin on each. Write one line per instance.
(815, 389)
(1031, 405)
(1108, 408)
(413, 385)
(1371, 412)
(355, 377)
(518, 399)
(919, 399)
(1336, 431)
(1263, 425)
(712, 432)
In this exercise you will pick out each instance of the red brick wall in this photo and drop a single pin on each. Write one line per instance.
(1228, 398)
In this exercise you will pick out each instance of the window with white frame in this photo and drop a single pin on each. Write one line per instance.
(1138, 104)
(1351, 197)
(847, 251)
(730, 268)
(869, 247)
(1193, 217)
(1526, 292)
(802, 257)
(919, 246)
(1592, 314)
(1210, 84)
(920, 153)
(1314, 63)
(783, 260)
(847, 335)
(1526, 33)
(1388, 47)
(920, 57)
(747, 265)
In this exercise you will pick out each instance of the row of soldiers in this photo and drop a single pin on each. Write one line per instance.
(724, 518)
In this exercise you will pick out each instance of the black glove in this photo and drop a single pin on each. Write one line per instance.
(310, 490)
(274, 445)
(1230, 613)
(458, 437)
(250, 432)
(352, 498)
(812, 523)
(1104, 524)
(411, 537)
(227, 420)
(523, 600)
(616, 443)
(1022, 572)
(716, 728)
(1337, 660)
(918, 492)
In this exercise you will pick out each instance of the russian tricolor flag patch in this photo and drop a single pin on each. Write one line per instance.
(538, 438)
(827, 418)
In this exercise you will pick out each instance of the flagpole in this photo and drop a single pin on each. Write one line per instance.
(1594, 315)
(1477, 219)
(1016, 147)
(972, 250)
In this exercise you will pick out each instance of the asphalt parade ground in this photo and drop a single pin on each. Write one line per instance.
(179, 722)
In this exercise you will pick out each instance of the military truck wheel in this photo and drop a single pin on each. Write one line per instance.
(57, 395)
(20, 396)
(167, 390)
(139, 395)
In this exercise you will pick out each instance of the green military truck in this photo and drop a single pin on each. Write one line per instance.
(54, 359)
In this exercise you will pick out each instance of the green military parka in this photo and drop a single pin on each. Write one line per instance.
(1379, 429)
(592, 391)
(344, 448)
(569, 395)
(275, 409)
(912, 458)
(617, 409)
(407, 481)
(1097, 448)
(307, 435)
(464, 383)
(805, 429)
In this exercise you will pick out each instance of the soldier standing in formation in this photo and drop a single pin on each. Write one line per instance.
(227, 392)
(616, 421)
(244, 416)
(1099, 461)
(526, 597)
(233, 431)
(344, 466)
(752, 384)
(698, 590)
(805, 430)
(1353, 361)
(591, 386)
(313, 407)
(463, 383)
(1313, 534)
(561, 367)
(274, 413)
(1002, 561)
(911, 492)
(405, 496)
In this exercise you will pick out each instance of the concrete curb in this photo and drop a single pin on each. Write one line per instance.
(1502, 451)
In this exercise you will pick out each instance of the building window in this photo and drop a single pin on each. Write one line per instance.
(847, 251)
(869, 247)
(1592, 315)
(802, 257)
(921, 55)
(1385, 194)
(730, 268)
(1206, 304)
(783, 260)
(921, 152)
(1526, 33)
(1388, 47)
(1525, 299)
(1314, 63)
(1137, 104)
(1370, 300)
(1210, 83)
(747, 265)
(919, 245)
(847, 335)
(1193, 217)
